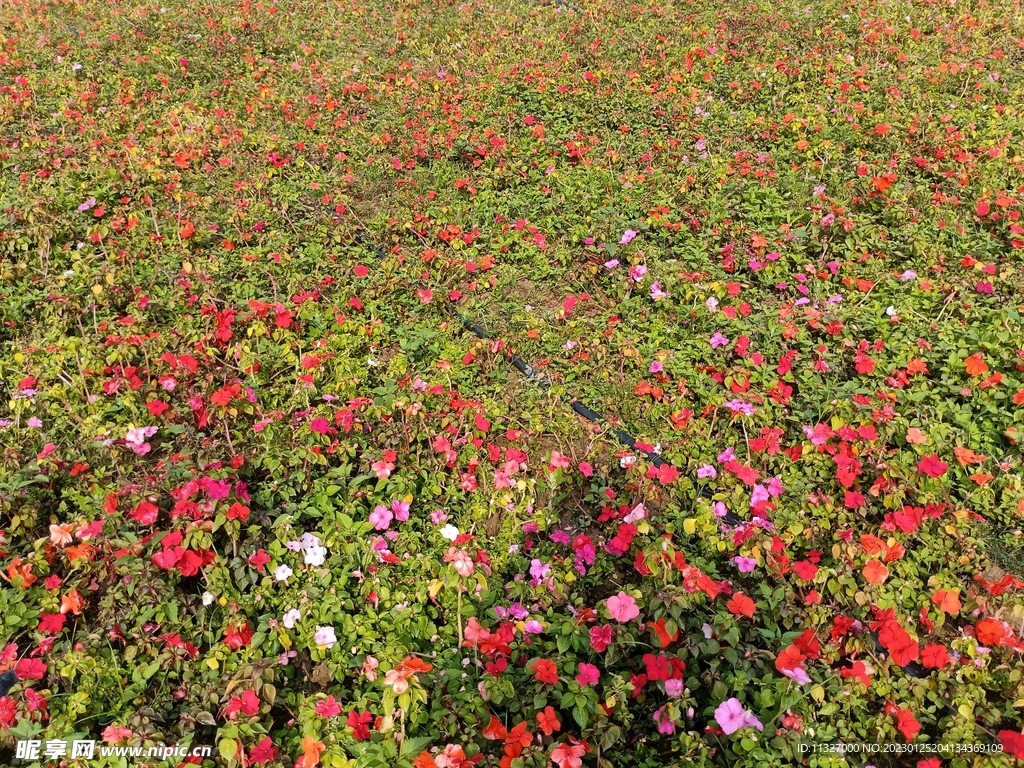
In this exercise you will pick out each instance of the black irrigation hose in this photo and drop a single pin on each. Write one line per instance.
(911, 669)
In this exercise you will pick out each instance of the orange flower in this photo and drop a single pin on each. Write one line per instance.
(948, 601)
(975, 364)
(875, 572)
(16, 570)
(965, 456)
(73, 602)
(916, 437)
(311, 751)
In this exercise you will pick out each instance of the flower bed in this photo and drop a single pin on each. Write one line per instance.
(261, 490)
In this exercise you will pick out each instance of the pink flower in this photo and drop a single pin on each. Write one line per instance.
(664, 721)
(463, 564)
(328, 707)
(637, 272)
(718, 340)
(381, 518)
(656, 367)
(382, 469)
(656, 292)
(565, 756)
(320, 425)
(438, 516)
(401, 510)
(627, 236)
(745, 564)
(623, 607)
(115, 733)
(731, 716)
(588, 674)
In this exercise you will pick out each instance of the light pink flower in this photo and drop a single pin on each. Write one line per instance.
(623, 607)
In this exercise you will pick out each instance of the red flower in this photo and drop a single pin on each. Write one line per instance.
(859, 671)
(259, 560)
(263, 752)
(547, 721)
(600, 637)
(51, 623)
(935, 656)
(30, 669)
(932, 465)
(1013, 743)
(239, 636)
(906, 723)
(545, 671)
(741, 605)
(360, 725)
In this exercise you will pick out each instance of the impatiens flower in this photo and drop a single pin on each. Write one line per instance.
(547, 721)
(325, 637)
(601, 637)
(711, 304)
(932, 466)
(282, 572)
(707, 471)
(401, 510)
(588, 674)
(656, 292)
(731, 717)
(908, 275)
(745, 564)
(718, 340)
(34, 422)
(438, 516)
(290, 618)
(328, 707)
(664, 721)
(611, 264)
(462, 563)
(627, 236)
(545, 671)
(656, 367)
(637, 272)
(381, 518)
(450, 532)
(623, 607)
(565, 756)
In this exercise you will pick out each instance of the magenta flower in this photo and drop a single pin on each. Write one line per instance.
(588, 674)
(627, 236)
(664, 721)
(656, 292)
(707, 471)
(718, 340)
(745, 564)
(320, 426)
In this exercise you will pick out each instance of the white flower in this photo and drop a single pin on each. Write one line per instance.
(891, 311)
(315, 556)
(450, 532)
(627, 461)
(325, 636)
(282, 572)
(291, 617)
(207, 598)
